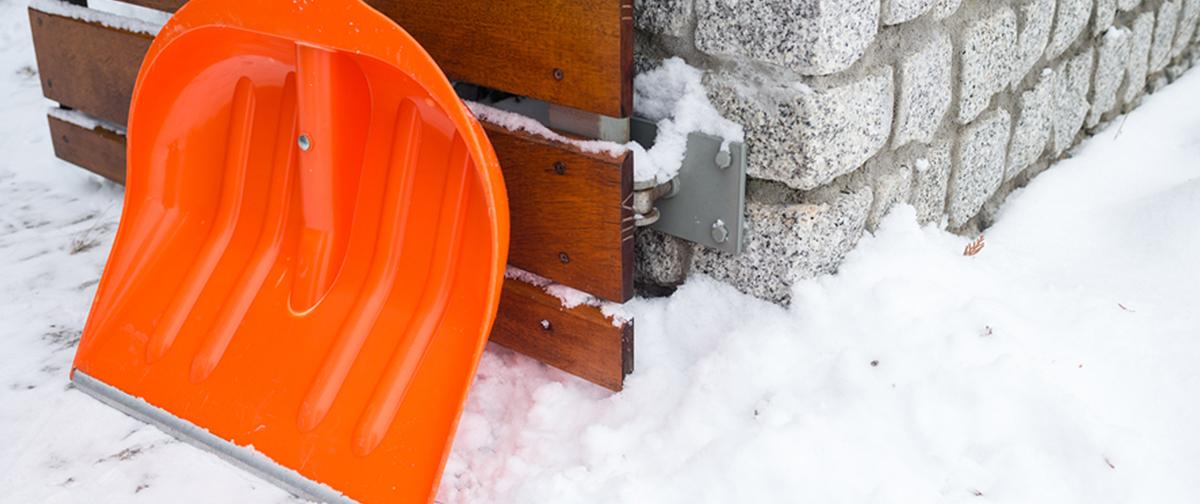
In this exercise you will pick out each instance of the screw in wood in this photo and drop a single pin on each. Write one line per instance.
(564, 258)
(558, 74)
(560, 167)
(546, 325)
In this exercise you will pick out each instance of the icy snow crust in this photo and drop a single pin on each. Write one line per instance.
(1058, 365)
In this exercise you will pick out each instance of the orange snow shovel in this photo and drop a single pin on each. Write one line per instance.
(311, 252)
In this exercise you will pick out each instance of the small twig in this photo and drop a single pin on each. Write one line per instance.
(1120, 126)
(974, 247)
(1123, 307)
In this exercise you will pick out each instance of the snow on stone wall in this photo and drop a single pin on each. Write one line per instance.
(851, 106)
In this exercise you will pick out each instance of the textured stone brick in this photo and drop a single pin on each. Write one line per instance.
(1164, 35)
(924, 90)
(811, 37)
(1106, 12)
(891, 183)
(899, 11)
(668, 17)
(988, 61)
(661, 259)
(806, 137)
(978, 165)
(789, 242)
(1033, 128)
(944, 8)
(1139, 56)
(931, 174)
(1069, 21)
(1037, 17)
(1189, 15)
(1074, 78)
(1111, 56)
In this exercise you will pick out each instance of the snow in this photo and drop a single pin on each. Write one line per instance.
(122, 20)
(83, 120)
(154, 17)
(673, 95)
(1057, 365)
(513, 121)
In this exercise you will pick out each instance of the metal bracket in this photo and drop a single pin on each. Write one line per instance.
(706, 202)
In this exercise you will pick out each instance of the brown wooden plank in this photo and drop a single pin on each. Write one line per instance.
(98, 150)
(577, 53)
(574, 228)
(557, 229)
(87, 67)
(580, 340)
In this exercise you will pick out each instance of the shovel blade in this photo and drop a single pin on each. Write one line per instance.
(311, 251)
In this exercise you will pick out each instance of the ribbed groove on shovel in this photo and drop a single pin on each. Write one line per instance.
(266, 251)
(391, 388)
(150, 244)
(233, 185)
(385, 265)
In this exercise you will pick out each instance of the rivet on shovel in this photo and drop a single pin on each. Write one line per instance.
(304, 142)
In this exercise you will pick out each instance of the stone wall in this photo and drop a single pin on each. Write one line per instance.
(851, 106)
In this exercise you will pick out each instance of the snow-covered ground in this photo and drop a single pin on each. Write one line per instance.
(1060, 364)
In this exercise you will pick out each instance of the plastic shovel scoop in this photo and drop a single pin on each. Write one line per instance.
(311, 252)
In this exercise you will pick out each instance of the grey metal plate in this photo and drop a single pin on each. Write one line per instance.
(707, 193)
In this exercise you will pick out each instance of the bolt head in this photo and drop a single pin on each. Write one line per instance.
(720, 233)
(724, 159)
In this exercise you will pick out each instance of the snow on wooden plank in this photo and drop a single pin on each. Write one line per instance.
(97, 149)
(580, 340)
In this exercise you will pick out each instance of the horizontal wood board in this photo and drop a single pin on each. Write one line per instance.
(577, 53)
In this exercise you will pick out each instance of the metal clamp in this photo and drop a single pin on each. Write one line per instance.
(646, 194)
(706, 202)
